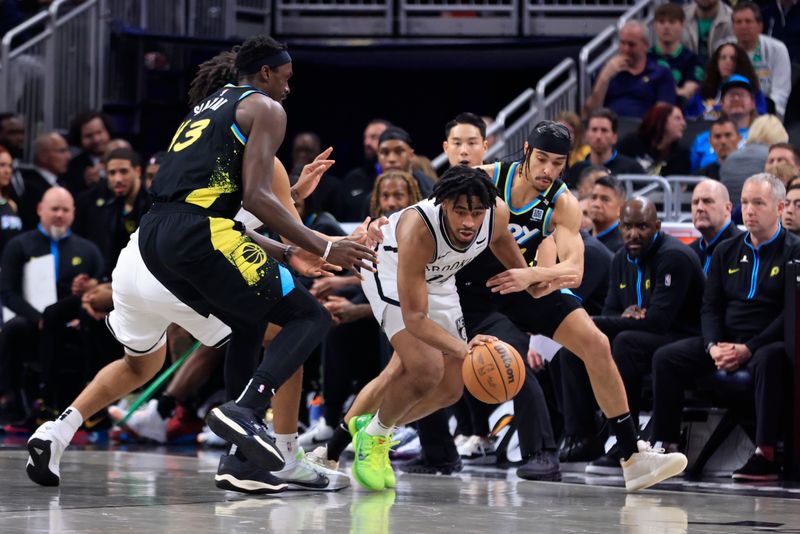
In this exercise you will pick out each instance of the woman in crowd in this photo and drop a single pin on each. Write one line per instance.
(728, 59)
(656, 145)
(573, 123)
(10, 223)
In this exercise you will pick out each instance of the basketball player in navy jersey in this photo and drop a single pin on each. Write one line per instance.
(220, 159)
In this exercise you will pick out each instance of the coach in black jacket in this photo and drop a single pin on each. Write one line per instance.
(742, 327)
(711, 215)
(45, 330)
(654, 294)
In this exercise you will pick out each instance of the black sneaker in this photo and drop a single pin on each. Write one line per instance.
(757, 468)
(234, 474)
(542, 465)
(420, 466)
(242, 427)
(607, 465)
(581, 449)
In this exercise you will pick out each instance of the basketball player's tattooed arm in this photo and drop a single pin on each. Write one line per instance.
(415, 248)
(264, 122)
(541, 280)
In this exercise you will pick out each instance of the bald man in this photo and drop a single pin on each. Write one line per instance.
(38, 330)
(654, 298)
(711, 215)
(50, 161)
(630, 83)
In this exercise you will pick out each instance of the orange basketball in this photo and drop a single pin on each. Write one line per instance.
(493, 372)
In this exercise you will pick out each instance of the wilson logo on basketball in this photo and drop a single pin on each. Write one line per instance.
(501, 350)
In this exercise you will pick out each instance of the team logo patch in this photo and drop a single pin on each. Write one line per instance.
(668, 280)
(76, 260)
(461, 328)
(647, 284)
(774, 271)
(537, 214)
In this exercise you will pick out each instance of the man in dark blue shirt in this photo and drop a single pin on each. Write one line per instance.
(630, 83)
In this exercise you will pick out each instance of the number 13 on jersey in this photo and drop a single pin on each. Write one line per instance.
(188, 132)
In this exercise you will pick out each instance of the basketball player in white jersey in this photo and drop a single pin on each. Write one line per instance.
(413, 296)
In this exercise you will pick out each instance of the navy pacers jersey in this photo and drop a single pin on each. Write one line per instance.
(203, 165)
(528, 224)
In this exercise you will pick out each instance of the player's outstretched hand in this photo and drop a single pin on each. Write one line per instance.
(540, 289)
(374, 234)
(312, 173)
(511, 281)
(352, 256)
(310, 265)
(359, 233)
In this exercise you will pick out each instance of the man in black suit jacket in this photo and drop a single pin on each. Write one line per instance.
(50, 160)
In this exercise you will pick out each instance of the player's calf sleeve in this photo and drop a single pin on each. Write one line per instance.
(304, 324)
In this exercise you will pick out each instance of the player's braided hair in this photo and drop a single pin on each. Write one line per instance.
(464, 180)
(213, 74)
(413, 190)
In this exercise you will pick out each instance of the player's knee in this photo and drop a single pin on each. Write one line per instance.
(595, 348)
(145, 367)
(452, 392)
(425, 376)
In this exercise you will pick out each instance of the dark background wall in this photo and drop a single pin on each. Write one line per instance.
(338, 87)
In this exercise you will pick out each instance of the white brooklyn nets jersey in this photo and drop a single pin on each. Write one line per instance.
(448, 258)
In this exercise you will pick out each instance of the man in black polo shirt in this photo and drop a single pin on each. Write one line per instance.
(109, 212)
(742, 327)
(608, 195)
(601, 135)
(711, 215)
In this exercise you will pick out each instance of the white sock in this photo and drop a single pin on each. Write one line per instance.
(287, 444)
(376, 428)
(67, 424)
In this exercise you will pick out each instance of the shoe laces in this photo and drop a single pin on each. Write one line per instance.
(379, 451)
(649, 448)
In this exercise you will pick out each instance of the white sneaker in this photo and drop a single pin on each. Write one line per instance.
(209, 439)
(45, 450)
(303, 474)
(650, 466)
(460, 440)
(319, 433)
(320, 457)
(145, 422)
(478, 450)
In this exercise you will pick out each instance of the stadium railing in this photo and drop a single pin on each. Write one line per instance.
(556, 17)
(56, 70)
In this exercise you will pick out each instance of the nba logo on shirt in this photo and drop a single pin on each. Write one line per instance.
(668, 280)
(537, 214)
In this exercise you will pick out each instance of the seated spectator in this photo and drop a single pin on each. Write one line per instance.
(630, 83)
(357, 184)
(150, 170)
(791, 212)
(587, 178)
(657, 143)
(668, 51)
(782, 21)
(587, 225)
(395, 153)
(109, 212)
(742, 328)
(752, 158)
(739, 106)
(782, 171)
(465, 139)
(12, 137)
(42, 332)
(708, 25)
(10, 223)
(784, 153)
(579, 148)
(769, 56)
(601, 134)
(392, 192)
(608, 195)
(711, 216)
(90, 131)
(50, 161)
(728, 59)
(423, 165)
(724, 139)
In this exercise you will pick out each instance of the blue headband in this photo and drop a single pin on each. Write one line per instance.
(272, 61)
